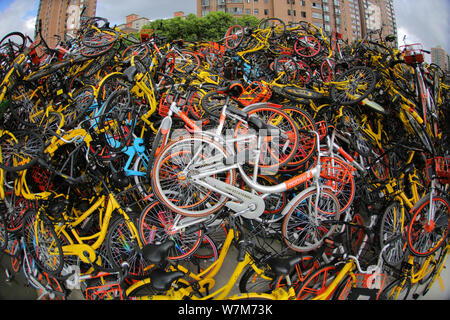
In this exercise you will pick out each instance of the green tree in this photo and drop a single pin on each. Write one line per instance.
(212, 27)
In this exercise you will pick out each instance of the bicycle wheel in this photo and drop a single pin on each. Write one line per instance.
(353, 86)
(234, 36)
(82, 100)
(272, 28)
(19, 151)
(142, 180)
(404, 77)
(14, 207)
(213, 102)
(251, 281)
(277, 151)
(173, 168)
(185, 61)
(255, 66)
(393, 223)
(338, 176)
(398, 289)
(3, 234)
(306, 143)
(286, 69)
(97, 38)
(309, 219)
(115, 123)
(108, 85)
(327, 69)
(426, 235)
(42, 243)
(301, 92)
(122, 246)
(138, 51)
(15, 42)
(156, 226)
(436, 273)
(307, 46)
(317, 283)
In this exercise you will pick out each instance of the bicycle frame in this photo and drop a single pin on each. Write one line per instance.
(205, 280)
(78, 246)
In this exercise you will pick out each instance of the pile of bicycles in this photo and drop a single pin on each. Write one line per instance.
(133, 168)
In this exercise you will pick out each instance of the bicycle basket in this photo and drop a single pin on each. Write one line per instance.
(146, 35)
(322, 129)
(412, 53)
(166, 101)
(363, 286)
(336, 170)
(438, 167)
(255, 92)
(105, 292)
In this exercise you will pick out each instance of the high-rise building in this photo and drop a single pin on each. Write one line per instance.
(439, 56)
(351, 18)
(61, 17)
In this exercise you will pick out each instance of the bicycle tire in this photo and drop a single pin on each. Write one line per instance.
(440, 265)
(299, 231)
(398, 289)
(425, 238)
(113, 124)
(306, 143)
(108, 85)
(122, 246)
(42, 242)
(353, 86)
(403, 76)
(99, 38)
(308, 47)
(175, 156)
(286, 69)
(393, 223)
(3, 234)
(15, 210)
(301, 92)
(154, 227)
(20, 151)
(234, 36)
(317, 283)
(276, 25)
(279, 150)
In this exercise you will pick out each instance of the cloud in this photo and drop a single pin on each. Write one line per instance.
(20, 16)
(424, 21)
(116, 10)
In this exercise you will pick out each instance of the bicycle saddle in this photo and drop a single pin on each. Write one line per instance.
(283, 266)
(157, 253)
(233, 89)
(130, 72)
(162, 280)
(258, 124)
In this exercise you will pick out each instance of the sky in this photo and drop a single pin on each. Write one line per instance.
(424, 21)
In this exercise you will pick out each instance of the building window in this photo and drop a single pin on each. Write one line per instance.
(316, 15)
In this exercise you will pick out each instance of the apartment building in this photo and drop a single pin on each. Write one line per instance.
(133, 23)
(440, 57)
(61, 17)
(351, 18)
